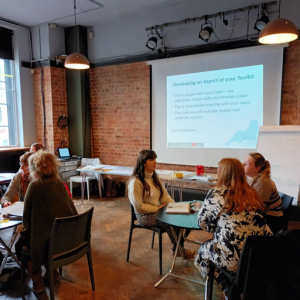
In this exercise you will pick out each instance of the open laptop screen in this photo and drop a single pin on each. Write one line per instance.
(64, 152)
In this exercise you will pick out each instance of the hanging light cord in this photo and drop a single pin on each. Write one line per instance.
(75, 26)
(279, 8)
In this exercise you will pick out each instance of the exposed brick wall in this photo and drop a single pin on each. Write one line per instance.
(290, 114)
(120, 110)
(55, 93)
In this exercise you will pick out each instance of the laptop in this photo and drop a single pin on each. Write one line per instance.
(64, 153)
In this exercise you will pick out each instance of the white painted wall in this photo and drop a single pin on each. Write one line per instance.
(126, 35)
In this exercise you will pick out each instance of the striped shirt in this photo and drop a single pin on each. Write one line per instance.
(268, 193)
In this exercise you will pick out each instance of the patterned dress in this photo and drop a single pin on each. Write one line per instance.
(230, 230)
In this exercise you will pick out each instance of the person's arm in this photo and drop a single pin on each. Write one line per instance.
(27, 211)
(210, 210)
(166, 198)
(12, 190)
(135, 194)
(67, 188)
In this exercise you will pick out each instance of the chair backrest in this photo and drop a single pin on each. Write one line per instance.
(133, 216)
(70, 233)
(268, 268)
(286, 208)
(90, 162)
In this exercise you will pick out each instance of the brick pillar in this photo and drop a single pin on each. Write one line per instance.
(54, 87)
(290, 112)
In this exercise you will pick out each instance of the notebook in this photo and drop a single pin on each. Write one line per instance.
(182, 208)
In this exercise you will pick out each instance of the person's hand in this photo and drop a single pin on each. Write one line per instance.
(162, 205)
(197, 205)
(6, 204)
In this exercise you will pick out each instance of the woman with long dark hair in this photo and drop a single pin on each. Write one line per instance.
(258, 171)
(231, 211)
(147, 195)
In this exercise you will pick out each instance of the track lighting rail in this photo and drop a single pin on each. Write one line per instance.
(197, 19)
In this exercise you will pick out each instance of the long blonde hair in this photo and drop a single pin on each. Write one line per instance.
(240, 195)
(43, 165)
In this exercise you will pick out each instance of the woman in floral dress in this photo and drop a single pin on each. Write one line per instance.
(231, 212)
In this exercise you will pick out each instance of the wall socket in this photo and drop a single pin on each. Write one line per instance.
(32, 71)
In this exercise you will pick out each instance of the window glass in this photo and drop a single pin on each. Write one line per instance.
(8, 121)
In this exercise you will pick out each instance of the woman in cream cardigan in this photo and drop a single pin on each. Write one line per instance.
(147, 195)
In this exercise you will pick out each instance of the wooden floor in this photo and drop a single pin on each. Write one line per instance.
(115, 278)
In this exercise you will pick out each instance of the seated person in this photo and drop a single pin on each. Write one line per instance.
(18, 185)
(147, 195)
(36, 147)
(258, 171)
(45, 200)
(231, 211)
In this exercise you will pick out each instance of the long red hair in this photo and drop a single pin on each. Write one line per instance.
(240, 195)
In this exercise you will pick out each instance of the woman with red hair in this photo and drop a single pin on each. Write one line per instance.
(231, 212)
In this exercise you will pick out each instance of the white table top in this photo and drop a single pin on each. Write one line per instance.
(163, 174)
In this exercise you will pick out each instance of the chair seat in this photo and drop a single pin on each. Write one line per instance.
(79, 178)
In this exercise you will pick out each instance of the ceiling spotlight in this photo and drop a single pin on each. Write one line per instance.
(263, 18)
(152, 43)
(206, 32)
(261, 23)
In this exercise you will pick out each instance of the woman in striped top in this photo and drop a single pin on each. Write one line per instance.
(258, 171)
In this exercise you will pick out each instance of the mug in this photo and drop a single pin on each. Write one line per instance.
(200, 170)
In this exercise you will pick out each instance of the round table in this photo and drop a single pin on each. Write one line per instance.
(183, 222)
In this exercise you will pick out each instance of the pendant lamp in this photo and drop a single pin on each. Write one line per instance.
(279, 31)
(76, 60)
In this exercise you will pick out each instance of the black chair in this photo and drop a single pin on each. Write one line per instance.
(69, 241)
(268, 269)
(286, 207)
(159, 231)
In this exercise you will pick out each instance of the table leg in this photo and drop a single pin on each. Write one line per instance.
(173, 263)
(180, 191)
(83, 175)
(174, 260)
(8, 249)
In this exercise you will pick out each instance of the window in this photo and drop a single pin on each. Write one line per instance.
(8, 119)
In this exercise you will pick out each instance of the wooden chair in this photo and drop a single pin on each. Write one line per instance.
(159, 231)
(69, 241)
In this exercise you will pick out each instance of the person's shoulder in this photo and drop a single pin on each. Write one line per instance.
(217, 193)
(134, 181)
(265, 181)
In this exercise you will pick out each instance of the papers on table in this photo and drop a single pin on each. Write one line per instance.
(203, 178)
(15, 209)
(182, 208)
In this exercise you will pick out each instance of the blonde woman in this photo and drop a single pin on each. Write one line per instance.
(231, 212)
(258, 171)
(45, 200)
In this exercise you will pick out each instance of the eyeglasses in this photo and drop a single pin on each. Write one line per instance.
(245, 162)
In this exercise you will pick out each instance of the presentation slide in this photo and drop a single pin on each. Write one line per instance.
(208, 106)
(205, 109)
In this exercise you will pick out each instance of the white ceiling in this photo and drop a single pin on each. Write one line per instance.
(89, 12)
